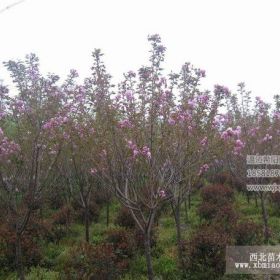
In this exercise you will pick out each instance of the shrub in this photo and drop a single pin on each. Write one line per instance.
(221, 178)
(63, 216)
(124, 218)
(275, 199)
(91, 262)
(204, 253)
(94, 211)
(123, 246)
(59, 224)
(55, 197)
(207, 210)
(224, 214)
(31, 253)
(236, 183)
(217, 194)
(139, 238)
(248, 233)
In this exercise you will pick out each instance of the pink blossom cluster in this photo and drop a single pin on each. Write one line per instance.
(180, 117)
(203, 98)
(192, 104)
(123, 100)
(238, 146)
(163, 100)
(7, 147)
(277, 115)
(125, 124)
(204, 168)
(129, 95)
(200, 73)
(162, 194)
(184, 116)
(161, 82)
(171, 121)
(3, 97)
(93, 171)
(2, 113)
(55, 122)
(53, 149)
(229, 133)
(145, 151)
(221, 91)
(19, 106)
(220, 120)
(83, 129)
(267, 138)
(80, 94)
(253, 131)
(204, 141)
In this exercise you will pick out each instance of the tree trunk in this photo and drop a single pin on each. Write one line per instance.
(186, 212)
(189, 200)
(86, 223)
(265, 219)
(256, 201)
(19, 264)
(179, 235)
(107, 213)
(147, 245)
(248, 197)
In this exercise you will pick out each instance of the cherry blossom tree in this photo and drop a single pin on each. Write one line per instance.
(27, 154)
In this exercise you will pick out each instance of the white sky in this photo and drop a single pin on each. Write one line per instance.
(233, 40)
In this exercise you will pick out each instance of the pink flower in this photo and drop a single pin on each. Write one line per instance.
(135, 153)
(267, 138)
(129, 95)
(277, 115)
(229, 132)
(93, 171)
(239, 145)
(221, 91)
(204, 141)
(237, 131)
(125, 124)
(7, 147)
(203, 98)
(203, 169)
(253, 131)
(146, 152)
(133, 147)
(192, 103)
(171, 121)
(162, 194)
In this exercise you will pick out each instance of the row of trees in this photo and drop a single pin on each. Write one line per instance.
(148, 141)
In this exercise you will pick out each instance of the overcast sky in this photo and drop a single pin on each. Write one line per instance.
(233, 40)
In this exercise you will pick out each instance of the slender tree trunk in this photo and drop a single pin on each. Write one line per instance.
(86, 223)
(186, 211)
(256, 201)
(179, 234)
(265, 218)
(19, 264)
(147, 245)
(248, 197)
(189, 200)
(107, 213)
